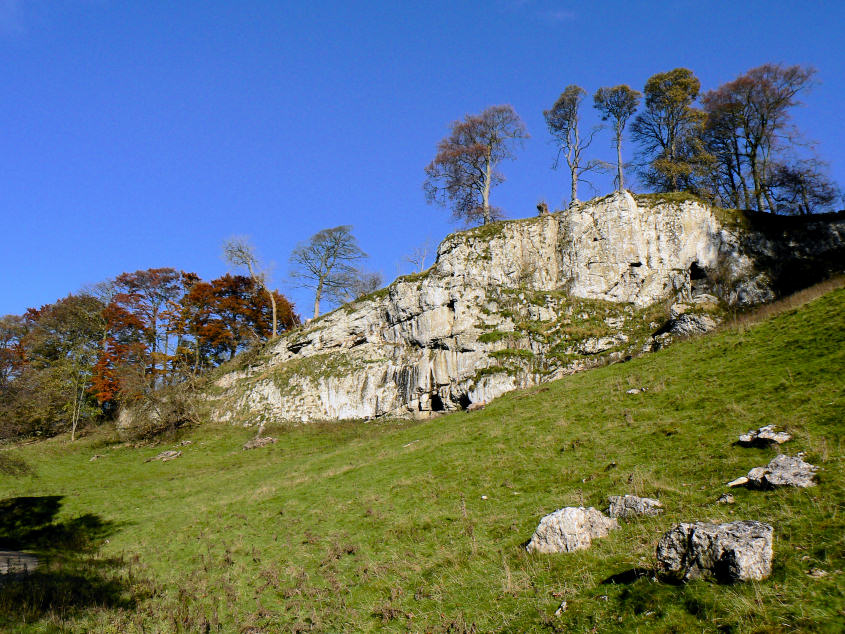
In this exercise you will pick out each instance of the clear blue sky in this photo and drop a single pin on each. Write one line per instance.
(140, 134)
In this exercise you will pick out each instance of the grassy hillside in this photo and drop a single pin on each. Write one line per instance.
(383, 525)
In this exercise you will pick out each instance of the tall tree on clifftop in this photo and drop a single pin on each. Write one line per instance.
(326, 263)
(670, 131)
(464, 170)
(562, 120)
(617, 104)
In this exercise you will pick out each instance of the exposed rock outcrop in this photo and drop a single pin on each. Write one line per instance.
(516, 303)
(630, 506)
(763, 437)
(570, 528)
(781, 471)
(738, 551)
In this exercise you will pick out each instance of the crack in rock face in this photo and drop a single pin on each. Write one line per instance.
(736, 551)
(570, 528)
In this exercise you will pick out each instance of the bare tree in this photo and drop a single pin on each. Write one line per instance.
(326, 263)
(418, 255)
(464, 170)
(617, 104)
(562, 121)
(355, 285)
(239, 252)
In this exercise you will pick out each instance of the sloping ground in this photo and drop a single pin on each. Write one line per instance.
(348, 527)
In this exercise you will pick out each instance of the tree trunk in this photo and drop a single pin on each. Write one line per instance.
(573, 195)
(317, 295)
(758, 185)
(619, 158)
(486, 193)
(273, 304)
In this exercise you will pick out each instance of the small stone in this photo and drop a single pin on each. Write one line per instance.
(630, 506)
(568, 529)
(185, 443)
(95, 457)
(260, 441)
(736, 551)
(476, 407)
(741, 481)
(817, 573)
(483, 497)
(633, 390)
(726, 498)
(561, 608)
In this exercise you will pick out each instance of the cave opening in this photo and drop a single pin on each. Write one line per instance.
(437, 403)
(464, 401)
(696, 272)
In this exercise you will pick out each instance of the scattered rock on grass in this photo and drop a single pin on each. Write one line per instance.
(164, 456)
(570, 528)
(95, 457)
(631, 506)
(475, 407)
(261, 441)
(14, 562)
(636, 390)
(737, 551)
(726, 498)
(781, 471)
(764, 437)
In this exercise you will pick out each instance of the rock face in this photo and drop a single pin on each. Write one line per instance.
(516, 303)
(630, 506)
(738, 551)
(764, 437)
(568, 529)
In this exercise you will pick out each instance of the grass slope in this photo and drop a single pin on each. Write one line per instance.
(382, 525)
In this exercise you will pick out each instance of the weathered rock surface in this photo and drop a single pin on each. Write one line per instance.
(630, 506)
(570, 528)
(164, 456)
(261, 441)
(763, 437)
(783, 471)
(738, 551)
(516, 303)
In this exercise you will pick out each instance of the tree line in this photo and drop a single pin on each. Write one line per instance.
(734, 145)
(74, 361)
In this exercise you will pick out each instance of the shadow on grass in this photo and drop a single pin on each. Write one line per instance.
(628, 576)
(70, 575)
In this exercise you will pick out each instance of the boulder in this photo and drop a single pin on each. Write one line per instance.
(737, 551)
(782, 471)
(631, 506)
(764, 437)
(570, 528)
(261, 441)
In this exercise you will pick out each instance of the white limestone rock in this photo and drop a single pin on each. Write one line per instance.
(763, 437)
(570, 528)
(423, 345)
(627, 506)
(737, 551)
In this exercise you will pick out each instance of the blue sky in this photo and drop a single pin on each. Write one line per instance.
(140, 134)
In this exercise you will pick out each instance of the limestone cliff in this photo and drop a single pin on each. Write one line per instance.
(520, 302)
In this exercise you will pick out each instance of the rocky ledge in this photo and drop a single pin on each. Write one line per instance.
(516, 303)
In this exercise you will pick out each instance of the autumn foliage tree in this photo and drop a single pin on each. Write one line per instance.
(670, 133)
(465, 168)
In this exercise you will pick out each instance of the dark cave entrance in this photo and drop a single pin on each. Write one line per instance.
(696, 272)
(437, 403)
(463, 401)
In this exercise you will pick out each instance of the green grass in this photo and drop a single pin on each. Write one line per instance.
(382, 525)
